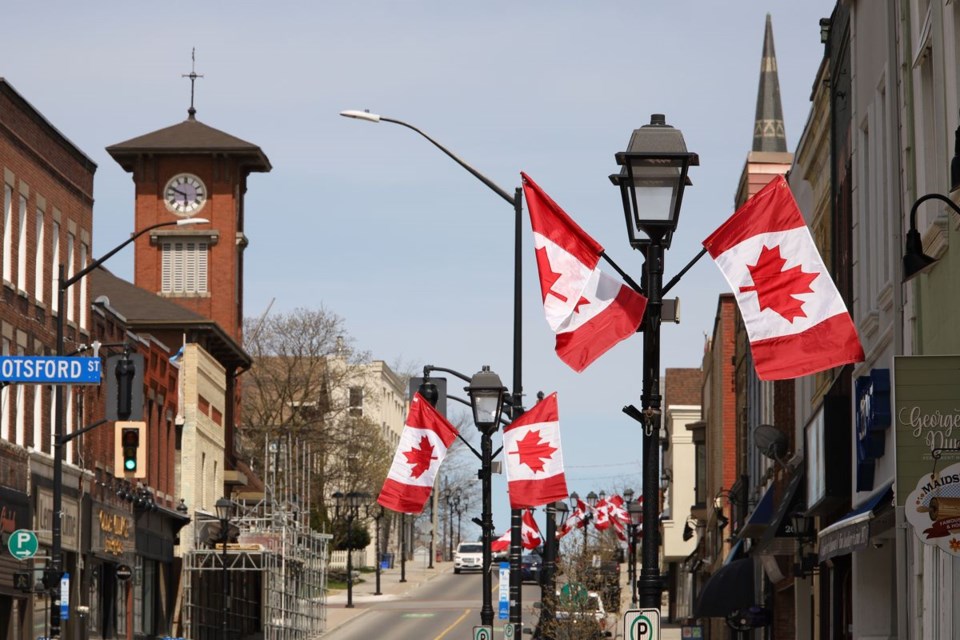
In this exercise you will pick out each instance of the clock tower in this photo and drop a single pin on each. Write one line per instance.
(191, 170)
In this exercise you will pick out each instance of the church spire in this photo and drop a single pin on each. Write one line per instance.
(768, 133)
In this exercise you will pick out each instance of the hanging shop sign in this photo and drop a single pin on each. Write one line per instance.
(927, 392)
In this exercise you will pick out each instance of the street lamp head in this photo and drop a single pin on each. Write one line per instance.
(486, 399)
(652, 177)
(635, 510)
(628, 495)
(361, 115)
(560, 511)
(224, 508)
(355, 500)
(915, 261)
(591, 499)
(189, 221)
(574, 500)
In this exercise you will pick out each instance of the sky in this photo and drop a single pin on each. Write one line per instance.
(373, 223)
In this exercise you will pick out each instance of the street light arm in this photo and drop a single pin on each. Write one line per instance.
(677, 277)
(930, 196)
(372, 117)
(96, 263)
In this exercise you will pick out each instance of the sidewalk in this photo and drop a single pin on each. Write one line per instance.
(390, 588)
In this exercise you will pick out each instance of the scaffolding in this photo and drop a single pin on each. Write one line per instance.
(275, 572)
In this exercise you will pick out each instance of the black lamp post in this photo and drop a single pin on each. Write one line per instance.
(486, 399)
(556, 515)
(403, 547)
(516, 401)
(635, 511)
(652, 179)
(453, 505)
(224, 508)
(55, 572)
(631, 549)
(587, 517)
(375, 511)
(348, 507)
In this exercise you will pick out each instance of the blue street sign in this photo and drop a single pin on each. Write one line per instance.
(50, 369)
(504, 609)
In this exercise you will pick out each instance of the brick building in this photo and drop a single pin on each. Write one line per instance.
(47, 221)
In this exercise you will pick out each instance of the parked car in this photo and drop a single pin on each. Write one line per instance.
(530, 565)
(582, 616)
(468, 557)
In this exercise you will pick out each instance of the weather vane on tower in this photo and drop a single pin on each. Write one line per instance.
(193, 75)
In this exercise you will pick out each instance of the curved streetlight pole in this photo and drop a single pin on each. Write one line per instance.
(516, 404)
(55, 572)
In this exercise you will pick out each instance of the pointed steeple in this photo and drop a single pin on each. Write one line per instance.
(768, 132)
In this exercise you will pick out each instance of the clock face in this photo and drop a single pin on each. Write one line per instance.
(185, 194)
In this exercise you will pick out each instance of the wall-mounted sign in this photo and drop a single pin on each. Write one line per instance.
(933, 508)
(872, 409)
(69, 521)
(927, 409)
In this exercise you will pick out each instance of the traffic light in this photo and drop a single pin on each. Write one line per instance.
(124, 373)
(23, 580)
(433, 390)
(124, 382)
(130, 459)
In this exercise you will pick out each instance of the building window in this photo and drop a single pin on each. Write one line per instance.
(8, 233)
(22, 246)
(38, 281)
(69, 274)
(55, 268)
(356, 401)
(84, 255)
(183, 266)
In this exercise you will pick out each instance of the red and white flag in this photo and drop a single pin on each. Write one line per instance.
(530, 532)
(618, 516)
(575, 520)
(588, 310)
(795, 318)
(423, 444)
(530, 537)
(534, 460)
(601, 515)
(502, 543)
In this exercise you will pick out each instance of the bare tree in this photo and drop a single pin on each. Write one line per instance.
(301, 392)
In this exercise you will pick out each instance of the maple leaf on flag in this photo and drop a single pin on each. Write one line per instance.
(532, 451)
(420, 457)
(777, 288)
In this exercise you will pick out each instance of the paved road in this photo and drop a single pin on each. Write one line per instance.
(443, 606)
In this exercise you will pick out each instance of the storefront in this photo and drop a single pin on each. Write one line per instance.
(15, 513)
(155, 589)
(109, 569)
(70, 548)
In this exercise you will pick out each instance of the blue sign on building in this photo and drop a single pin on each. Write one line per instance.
(50, 369)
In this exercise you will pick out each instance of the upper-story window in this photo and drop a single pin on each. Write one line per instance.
(183, 265)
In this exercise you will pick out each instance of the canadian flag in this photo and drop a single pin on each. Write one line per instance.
(530, 537)
(534, 459)
(502, 543)
(530, 532)
(588, 310)
(617, 515)
(601, 515)
(795, 318)
(423, 444)
(575, 520)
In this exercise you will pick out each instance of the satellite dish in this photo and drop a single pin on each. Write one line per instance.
(771, 441)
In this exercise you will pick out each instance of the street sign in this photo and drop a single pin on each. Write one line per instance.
(50, 369)
(65, 597)
(22, 544)
(504, 609)
(508, 631)
(641, 624)
(124, 572)
(483, 633)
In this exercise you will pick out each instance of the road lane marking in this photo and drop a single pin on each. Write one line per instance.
(455, 623)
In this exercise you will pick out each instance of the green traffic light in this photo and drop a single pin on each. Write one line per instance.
(130, 464)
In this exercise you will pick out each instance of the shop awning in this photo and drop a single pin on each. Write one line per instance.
(726, 591)
(760, 517)
(852, 531)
